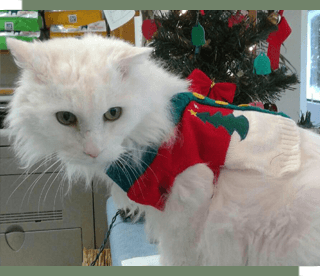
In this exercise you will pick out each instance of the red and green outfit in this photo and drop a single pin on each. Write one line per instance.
(215, 133)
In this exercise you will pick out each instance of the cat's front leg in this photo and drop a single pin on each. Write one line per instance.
(121, 201)
(180, 225)
(135, 211)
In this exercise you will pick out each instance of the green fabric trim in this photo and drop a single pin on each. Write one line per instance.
(229, 122)
(124, 175)
(181, 100)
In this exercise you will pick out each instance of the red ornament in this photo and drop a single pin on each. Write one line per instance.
(257, 104)
(202, 12)
(235, 19)
(271, 107)
(149, 27)
(275, 40)
(202, 84)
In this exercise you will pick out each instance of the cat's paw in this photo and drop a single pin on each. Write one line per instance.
(132, 215)
(152, 240)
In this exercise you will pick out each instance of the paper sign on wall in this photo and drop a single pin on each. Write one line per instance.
(117, 18)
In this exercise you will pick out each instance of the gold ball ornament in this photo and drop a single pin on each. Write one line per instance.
(274, 18)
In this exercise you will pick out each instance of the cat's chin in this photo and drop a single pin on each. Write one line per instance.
(84, 161)
(89, 162)
(82, 169)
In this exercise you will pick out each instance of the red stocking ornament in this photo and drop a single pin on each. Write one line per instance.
(275, 40)
(149, 27)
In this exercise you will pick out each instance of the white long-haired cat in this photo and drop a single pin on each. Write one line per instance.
(89, 101)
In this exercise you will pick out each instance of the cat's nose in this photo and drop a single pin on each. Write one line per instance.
(93, 155)
(90, 148)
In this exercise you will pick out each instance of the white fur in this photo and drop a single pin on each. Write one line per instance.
(246, 219)
(87, 77)
(250, 220)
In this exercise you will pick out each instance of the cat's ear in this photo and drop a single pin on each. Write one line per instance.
(137, 55)
(21, 51)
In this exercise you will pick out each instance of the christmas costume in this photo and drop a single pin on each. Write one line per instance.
(217, 134)
(202, 84)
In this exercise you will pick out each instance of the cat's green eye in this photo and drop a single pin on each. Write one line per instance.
(113, 114)
(66, 118)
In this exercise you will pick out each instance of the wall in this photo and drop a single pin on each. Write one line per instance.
(292, 102)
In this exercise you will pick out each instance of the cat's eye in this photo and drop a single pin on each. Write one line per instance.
(113, 114)
(66, 118)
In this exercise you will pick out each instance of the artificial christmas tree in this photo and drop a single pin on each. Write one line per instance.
(232, 42)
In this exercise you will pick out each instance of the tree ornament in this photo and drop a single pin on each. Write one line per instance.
(275, 40)
(207, 45)
(149, 27)
(274, 18)
(240, 74)
(261, 65)
(198, 35)
(271, 107)
(257, 104)
(252, 14)
(283, 69)
(235, 19)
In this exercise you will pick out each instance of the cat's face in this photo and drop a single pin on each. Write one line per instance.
(86, 100)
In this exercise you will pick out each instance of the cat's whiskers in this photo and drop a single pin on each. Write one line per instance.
(136, 176)
(12, 163)
(38, 178)
(26, 171)
(120, 159)
(140, 160)
(133, 171)
(141, 150)
(60, 167)
(60, 187)
(122, 167)
(51, 175)
(57, 191)
(25, 178)
(32, 186)
(44, 200)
